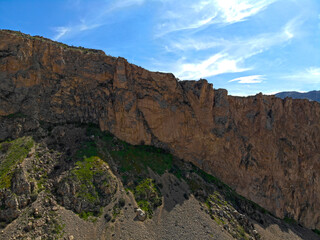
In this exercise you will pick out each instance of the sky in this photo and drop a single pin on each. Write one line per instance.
(244, 46)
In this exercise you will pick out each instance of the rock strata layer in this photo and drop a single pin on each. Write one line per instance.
(266, 148)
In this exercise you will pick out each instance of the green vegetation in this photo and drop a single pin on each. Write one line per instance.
(84, 173)
(41, 182)
(241, 233)
(93, 185)
(290, 220)
(217, 199)
(16, 115)
(57, 227)
(88, 149)
(210, 179)
(89, 216)
(131, 159)
(116, 210)
(218, 220)
(222, 213)
(134, 162)
(14, 153)
(148, 196)
(139, 158)
(317, 231)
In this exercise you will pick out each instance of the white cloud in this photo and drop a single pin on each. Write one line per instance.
(232, 52)
(72, 30)
(95, 18)
(60, 32)
(310, 75)
(228, 56)
(124, 3)
(249, 79)
(214, 65)
(198, 44)
(313, 71)
(83, 26)
(239, 10)
(292, 26)
(243, 46)
(190, 14)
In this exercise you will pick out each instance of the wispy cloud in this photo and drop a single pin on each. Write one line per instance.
(250, 45)
(74, 29)
(126, 3)
(228, 56)
(195, 33)
(95, 18)
(236, 10)
(249, 79)
(60, 32)
(196, 43)
(214, 65)
(310, 75)
(190, 15)
(313, 71)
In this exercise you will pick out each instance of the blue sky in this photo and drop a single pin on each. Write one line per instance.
(245, 46)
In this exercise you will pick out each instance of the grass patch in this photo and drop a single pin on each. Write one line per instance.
(317, 231)
(218, 220)
(94, 187)
(16, 115)
(147, 196)
(84, 172)
(16, 151)
(139, 158)
(146, 206)
(89, 216)
(41, 182)
(88, 149)
(129, 158)
(58, 229)
(210, 179)
(241, 233)
(290, 220)
(216, 198)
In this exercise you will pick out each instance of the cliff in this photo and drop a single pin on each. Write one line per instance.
(264, 147)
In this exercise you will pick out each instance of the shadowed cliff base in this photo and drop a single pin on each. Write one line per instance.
(265, 148)
(181, 201)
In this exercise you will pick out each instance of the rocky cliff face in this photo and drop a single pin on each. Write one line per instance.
(264, 147)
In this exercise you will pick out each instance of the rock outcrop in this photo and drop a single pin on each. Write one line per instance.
(87, 187)
(264, 147)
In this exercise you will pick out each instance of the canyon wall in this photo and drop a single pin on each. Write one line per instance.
(266, 148)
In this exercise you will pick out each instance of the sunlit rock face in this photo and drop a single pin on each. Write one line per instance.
(266, 148)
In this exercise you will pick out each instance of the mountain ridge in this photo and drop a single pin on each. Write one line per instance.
(311, 95)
